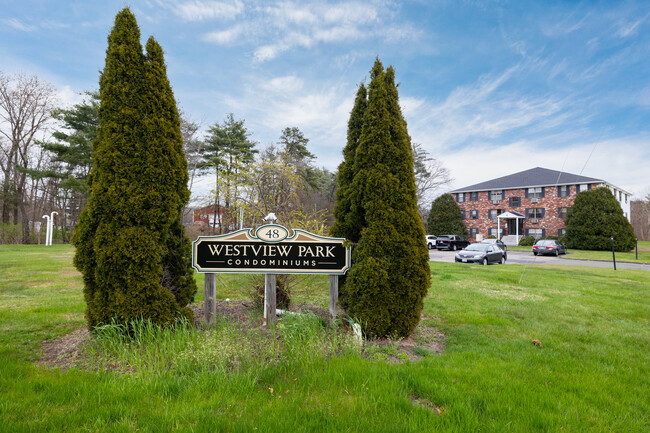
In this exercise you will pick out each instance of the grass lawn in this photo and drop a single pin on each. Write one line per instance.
(628, 256)
(592, 372)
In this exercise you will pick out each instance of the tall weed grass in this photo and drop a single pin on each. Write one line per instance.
(145, 348)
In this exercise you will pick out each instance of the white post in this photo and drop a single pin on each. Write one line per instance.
(498, 227)
(47, 230)
(51, 222)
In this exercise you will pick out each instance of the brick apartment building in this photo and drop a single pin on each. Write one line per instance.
(529, 203)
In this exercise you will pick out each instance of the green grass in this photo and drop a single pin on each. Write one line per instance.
(592, 373)
(628, 256)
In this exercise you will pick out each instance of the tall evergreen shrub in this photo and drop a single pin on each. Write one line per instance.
(130, 246)
(390, 274)
(445, 217)
(348, 212)
(594, 217)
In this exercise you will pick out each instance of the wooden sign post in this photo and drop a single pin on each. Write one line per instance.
(269, 250)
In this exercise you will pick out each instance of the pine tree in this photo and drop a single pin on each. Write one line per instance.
(348, 212)
(137, 189)
(227, 149)
(594, 217)
(390, 275)
(294, 144)
(445, 217)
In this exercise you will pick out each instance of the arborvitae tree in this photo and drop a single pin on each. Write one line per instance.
(349, 212)
(445, 217)
(390, 275)
(594, 217)
(164, 129)
(137, 189)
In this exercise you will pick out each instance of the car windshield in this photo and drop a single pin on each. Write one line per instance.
(545, 243)
(443, 238)
(489, 241)
(477, 247)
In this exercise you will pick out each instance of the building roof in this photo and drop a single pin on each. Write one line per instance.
(537, 176)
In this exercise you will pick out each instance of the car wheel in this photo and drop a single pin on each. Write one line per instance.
(557, 253)
(502, 260)
(453, 247)
(484, 262)
(534, 254)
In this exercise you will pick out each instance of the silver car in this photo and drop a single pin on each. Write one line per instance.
(549, 246)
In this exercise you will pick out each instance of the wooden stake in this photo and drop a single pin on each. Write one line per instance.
(334, 295)
(210, 298)
(269, 298)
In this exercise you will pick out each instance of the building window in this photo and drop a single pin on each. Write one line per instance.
(562, 211)
(495, 233)
(620, 196)
(496, 195)
(473, 214)
(515, 201)
(462, 214)
(535, 193)
(625, 198)
(536, 212)
(564, 191)
(536, 233)
(561, 232)
(473, 232)
(460, 197)
(493, 213)
(473, 196)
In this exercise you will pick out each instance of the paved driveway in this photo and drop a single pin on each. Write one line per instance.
(526, 257)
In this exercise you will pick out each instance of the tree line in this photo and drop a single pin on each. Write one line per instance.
(45, 161)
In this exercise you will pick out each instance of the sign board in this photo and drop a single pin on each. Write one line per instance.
(270, 250)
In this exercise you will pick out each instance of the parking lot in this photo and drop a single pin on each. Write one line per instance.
(527, 257)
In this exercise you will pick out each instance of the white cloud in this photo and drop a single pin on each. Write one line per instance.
(282, 26)
(18, 25)
(483, 111)
(629, 28)
(206, 10)
(225, 37)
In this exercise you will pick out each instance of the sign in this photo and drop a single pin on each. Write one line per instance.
(270, 250)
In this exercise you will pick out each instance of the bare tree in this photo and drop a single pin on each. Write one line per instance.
(640, 216)
(430, 176)
(192, 146)
(26, 104)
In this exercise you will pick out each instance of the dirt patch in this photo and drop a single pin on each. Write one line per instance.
(64, 352)
(67, 352)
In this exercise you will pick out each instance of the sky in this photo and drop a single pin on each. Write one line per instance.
(488, 87)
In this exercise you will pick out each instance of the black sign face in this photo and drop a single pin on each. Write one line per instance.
(271, 251)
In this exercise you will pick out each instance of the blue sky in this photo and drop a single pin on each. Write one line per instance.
(487, 87)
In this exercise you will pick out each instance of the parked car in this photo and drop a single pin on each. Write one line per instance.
(497, 242)
(431, 241)
(451, 242)
(549, 246)
(481, 253)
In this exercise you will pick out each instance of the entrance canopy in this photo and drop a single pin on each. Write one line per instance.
(507, 216)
